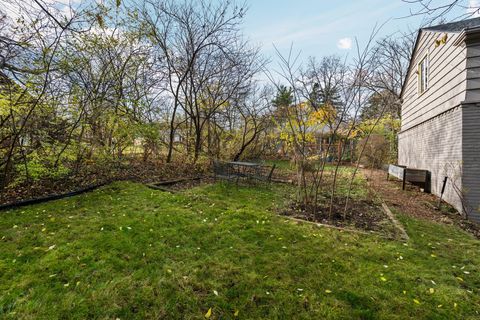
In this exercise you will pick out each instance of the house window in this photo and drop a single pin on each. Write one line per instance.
(423, 76)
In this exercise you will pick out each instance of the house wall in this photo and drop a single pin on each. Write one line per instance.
(441, 127)
(473, 72)
(471, 159)
(447, 84)
(436, 145)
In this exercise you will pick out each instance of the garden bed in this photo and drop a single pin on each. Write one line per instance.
(418, 204)
(362, 214)
(130, 169)
(181, 184)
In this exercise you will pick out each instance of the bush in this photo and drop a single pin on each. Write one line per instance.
(376, 151)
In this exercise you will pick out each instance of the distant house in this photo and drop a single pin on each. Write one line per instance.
(441, 112)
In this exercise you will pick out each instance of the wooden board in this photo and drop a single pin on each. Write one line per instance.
(396, 171)
(414, 175)
(417, 177)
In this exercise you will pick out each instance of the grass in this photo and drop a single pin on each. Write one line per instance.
(129, 252)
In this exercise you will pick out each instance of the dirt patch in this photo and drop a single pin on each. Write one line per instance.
(181, 184)
(362, 214)
(132, 169)
(416, 203)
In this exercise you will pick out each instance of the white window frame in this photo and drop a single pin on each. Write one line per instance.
(423, 70)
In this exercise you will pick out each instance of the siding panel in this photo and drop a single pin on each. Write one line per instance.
(436, 146)
(471, 160)
(447, 79)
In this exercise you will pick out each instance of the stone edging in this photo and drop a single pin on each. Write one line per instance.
(329, 226)
(391, 216)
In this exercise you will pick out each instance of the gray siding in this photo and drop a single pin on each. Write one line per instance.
(471, 160)
(473, 73)
(441, 127)
(447, 84)
(436, 145)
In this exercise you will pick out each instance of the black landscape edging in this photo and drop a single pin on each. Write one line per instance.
(24, 203)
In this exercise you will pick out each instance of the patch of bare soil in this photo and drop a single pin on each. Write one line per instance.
(185, 184)
(131, 169)
(364, 215)
(416, 203)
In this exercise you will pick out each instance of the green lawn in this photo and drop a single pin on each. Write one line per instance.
(126, 251)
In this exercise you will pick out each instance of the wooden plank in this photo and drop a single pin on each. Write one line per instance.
(415, 175)
(396, 171)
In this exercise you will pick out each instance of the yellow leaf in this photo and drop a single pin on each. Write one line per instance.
(459, 279)
(455, 305)
(439, 306)
(383, 279)
(328, 291)
(208, 314)
(404, 292)
(416, 301)
(431, 290)
(236, 313)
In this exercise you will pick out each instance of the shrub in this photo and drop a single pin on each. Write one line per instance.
(376, 151)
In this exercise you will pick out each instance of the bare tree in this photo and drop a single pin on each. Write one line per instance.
(185, 34)
(437, 10)
(254, 112)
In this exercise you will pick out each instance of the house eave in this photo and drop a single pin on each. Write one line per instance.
(468, 36)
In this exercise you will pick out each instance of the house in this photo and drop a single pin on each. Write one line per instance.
(440, 129)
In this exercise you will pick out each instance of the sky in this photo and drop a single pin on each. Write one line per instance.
(315, 27)
(325, 27)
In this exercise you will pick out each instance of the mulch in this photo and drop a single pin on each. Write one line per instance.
(182, 184)
(417, 204)
(133, 170)
(361, 214)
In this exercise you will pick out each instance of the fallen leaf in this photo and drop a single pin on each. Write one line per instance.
(416, 301)
(215, 292)
(236, 313)
(431, 290)
(208, 314)
(328, 291)
(383, 279)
